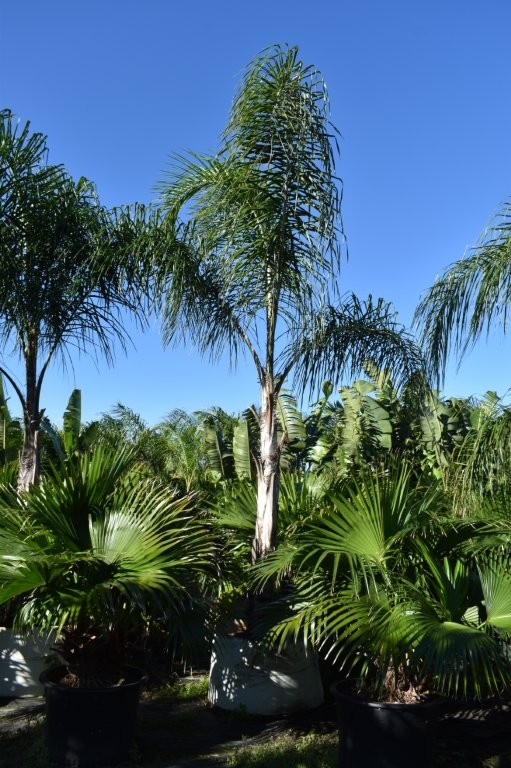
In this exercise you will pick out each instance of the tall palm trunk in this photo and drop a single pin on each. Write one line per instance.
(29, 462)
(268, 474)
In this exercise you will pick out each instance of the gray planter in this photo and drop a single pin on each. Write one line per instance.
(244, 676)
(21, 662)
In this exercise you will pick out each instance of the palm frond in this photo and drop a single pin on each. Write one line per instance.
(343, 339)
(469, 298)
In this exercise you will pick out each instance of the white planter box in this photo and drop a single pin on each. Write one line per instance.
(21, 663)
(245, 677)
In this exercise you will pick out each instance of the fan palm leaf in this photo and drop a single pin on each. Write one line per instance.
(97, 549)
(385, 580)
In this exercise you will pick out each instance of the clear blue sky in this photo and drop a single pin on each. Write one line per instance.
(418, 90)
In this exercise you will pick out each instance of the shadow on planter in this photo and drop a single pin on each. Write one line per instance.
(22, 660)
(245, 676)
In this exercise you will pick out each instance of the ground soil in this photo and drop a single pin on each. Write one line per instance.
(179, 733)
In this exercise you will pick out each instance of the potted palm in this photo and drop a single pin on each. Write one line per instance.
(92, 553)
(408, 602)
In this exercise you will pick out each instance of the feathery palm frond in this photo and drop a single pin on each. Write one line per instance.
(471, 296)
(70, 270)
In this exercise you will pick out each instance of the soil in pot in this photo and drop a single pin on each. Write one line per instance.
(90, 727)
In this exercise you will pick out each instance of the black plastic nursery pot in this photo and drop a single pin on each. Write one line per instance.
(91, 727)
(379, 735)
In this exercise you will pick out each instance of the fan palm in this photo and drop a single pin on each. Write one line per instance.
(67, 271)
(400, 593)
(93, 552)
(253, 270)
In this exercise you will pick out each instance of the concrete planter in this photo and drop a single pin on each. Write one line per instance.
(21, 663)
(244, 676)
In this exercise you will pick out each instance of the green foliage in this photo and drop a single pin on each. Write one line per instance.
(95, 551)
(183, 452)
(73, 422)
(262, 242)
(61, 445)
(11, 433)
(373, 420)
(218, 433)
(70, 268)
(398, 590)
(187, 689)
(287, 749)
(255, 268)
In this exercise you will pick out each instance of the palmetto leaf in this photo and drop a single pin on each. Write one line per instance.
(371, 518)
(495, 576)
(460, 660)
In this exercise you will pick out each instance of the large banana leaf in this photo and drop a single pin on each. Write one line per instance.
(290, 420)
(73, 422)
(245, 444)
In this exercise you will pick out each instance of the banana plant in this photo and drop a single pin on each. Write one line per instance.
(239, 459)
(349, 433)
(441, 430)
(74, 436)
(483, 463)
(372, 419)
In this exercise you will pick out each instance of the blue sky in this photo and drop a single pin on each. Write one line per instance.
(418, 91)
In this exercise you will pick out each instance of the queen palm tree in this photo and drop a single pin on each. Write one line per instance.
(67, 271)
(253, 268)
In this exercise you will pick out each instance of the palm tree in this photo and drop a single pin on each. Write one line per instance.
(252, 270)
(471, 296)
(67, 271)
(386, 578)
(95, 551)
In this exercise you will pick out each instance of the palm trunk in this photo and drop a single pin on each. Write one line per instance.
(268, 474)
(29, 462)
